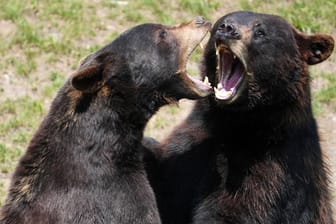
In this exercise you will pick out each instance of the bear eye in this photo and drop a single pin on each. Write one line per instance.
(260, 33)
(163, 34)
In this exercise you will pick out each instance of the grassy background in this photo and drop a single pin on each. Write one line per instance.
(43, 41)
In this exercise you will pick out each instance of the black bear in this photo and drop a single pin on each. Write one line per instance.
(84, 164)
(250, 153)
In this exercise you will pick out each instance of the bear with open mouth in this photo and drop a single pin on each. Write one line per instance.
(84, 164)
(249, 153)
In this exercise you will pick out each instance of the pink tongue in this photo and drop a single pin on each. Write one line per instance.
(226, 62)
(231, 82)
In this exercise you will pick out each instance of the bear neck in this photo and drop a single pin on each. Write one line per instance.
(262, 128)
(147, 104)
(110, 126)
(115, 123)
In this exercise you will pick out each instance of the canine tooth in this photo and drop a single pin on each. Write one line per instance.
(217, 52)
(206, 81)
(201, 45)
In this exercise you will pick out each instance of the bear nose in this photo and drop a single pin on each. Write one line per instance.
(228, 31)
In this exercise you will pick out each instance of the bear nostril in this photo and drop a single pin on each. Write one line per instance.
(228, 30)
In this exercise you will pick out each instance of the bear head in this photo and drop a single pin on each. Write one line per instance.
(256, 60)
(148, 60)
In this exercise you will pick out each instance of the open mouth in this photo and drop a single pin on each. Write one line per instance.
(195, 37)
(202, 88)
(230, 74)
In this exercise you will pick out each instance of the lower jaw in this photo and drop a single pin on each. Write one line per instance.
(236, 97)
(235, 104)
(227, 97)
(230, 100)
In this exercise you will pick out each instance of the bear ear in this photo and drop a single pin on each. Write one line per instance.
(88, 79)
(95, 70)
(314, 48)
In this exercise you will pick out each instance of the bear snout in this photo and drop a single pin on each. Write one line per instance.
(227, 31)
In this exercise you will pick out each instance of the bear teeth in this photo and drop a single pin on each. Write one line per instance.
(223, 94)
(206, 81)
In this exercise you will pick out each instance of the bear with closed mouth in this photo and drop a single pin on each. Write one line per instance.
(84, 164)
(250, 153)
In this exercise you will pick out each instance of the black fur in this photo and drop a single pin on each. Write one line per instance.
(257, 158)
(84, 164)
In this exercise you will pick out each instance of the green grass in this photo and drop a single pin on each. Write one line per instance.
(11, 10)
(19, 118)
(24, 67)
(308, 16)
(27, 34)
(8, 158)
(20, 114)
(327, 95)
(56, 80)
(201, 7)
(48, 39)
